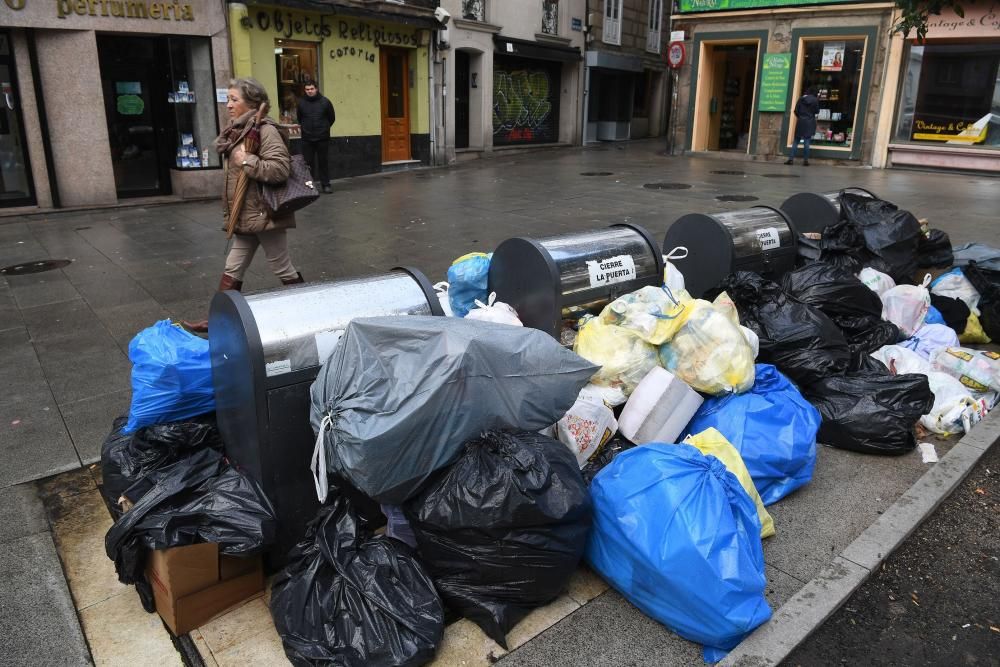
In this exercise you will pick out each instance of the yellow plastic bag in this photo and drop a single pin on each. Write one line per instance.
(725, 305)
(712, 443)
(973, 331)
(709, 352)
(623, 356)
(649, 313)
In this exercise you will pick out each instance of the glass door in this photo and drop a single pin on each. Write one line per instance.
(136, 82)
(16, 188)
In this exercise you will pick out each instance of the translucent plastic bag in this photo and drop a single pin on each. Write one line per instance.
(673, 279)
(978, 370)
(876, 281)
(651, 313)
(494, 311)
(725, 305)
(954, 284)
(712, 443)
(709, 352)
(677, 535)
(930, 338)
(441, 289)
(623, 356)
(467, 281)
(171, 376)
(586, 427)
(772, 426)
(906, 306)
(973, 332)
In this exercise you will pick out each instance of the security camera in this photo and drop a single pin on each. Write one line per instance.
(442, 16)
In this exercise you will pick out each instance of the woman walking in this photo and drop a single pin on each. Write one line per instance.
(255, 224)
(806, 110)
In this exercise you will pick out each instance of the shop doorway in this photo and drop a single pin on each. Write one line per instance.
(16, 187)
(724, 103)
(462, 91)
(395, 105)
(135, 78)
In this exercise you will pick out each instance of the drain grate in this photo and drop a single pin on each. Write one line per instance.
(40, 266)
(667, 186)
(597, 173)
(729, 172)
(736, 198)
(781, 176)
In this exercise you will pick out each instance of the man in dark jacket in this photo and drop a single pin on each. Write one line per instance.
(806, 110)
(316, 117)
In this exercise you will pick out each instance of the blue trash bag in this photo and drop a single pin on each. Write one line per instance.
(171, 376)
(934, 316)
(678, 537)
(467, 278)
(772, 426)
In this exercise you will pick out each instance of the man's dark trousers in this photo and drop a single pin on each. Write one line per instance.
(317, 151)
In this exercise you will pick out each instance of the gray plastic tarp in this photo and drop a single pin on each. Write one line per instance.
(399, 396)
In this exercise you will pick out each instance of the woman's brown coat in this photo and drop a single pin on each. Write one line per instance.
(271, 165)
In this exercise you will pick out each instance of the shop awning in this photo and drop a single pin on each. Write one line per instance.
(522, 48)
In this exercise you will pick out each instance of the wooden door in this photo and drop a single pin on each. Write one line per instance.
(395, 105)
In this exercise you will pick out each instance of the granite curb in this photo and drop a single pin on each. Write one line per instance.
(815, 602)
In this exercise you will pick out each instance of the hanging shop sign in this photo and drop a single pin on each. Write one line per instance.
(774, 82)
(687, 6)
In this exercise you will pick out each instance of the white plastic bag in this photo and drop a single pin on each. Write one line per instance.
(587, 425)
(876, 281)
(494, 311)
(441, 289)
(978, 370)
(955, 285)
(753, 339)
(709, 352)
(930, 338)
(673, 279)
(906, 306)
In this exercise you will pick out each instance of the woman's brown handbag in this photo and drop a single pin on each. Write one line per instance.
(297, 192)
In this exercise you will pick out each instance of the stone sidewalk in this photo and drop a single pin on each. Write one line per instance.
(64, 334)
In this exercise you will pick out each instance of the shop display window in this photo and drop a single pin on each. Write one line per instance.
(950, 96)
(15, 175)
(192, 99)
(295, 63)
(833, 66)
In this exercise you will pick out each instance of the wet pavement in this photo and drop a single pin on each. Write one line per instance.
(64, 333)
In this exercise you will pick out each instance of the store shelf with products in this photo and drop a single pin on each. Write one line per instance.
(192, 101)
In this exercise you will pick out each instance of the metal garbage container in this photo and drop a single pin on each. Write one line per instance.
(266, 350)
(812, 212)
(761, 239)
(540, 278)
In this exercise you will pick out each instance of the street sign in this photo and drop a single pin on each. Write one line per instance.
(675, 54)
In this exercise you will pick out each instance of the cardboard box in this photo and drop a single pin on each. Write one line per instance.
(193, 584)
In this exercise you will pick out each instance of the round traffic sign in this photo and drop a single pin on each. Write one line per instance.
(675, 54)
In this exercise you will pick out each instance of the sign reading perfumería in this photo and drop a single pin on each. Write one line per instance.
(192, 17)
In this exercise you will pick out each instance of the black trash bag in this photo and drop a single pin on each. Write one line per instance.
(351, 599)
(800, 340)
(955, 312)
(114, 452)
(807, 251)
(934, 250)
(889, 233)
(604, 456)
(843, 245)
(502, 530)
(861, 361)
(839, 295)
(127, 458)
(198, 499)
(871, 412)
(987, 283)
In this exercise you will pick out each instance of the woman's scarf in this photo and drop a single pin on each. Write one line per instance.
(234, 133)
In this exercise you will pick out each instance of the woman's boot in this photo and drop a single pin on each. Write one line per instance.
(227, 282)
(293, 281)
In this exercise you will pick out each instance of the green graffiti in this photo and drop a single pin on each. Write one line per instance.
(520, 100)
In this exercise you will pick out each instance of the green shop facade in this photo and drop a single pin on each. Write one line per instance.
(748, 61)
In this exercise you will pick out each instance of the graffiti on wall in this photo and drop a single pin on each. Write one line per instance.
(524, 106)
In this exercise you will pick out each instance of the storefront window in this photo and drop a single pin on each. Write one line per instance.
(832, 66)
(15, 178)
(192, 99)
(296, 63)
(951, 95)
